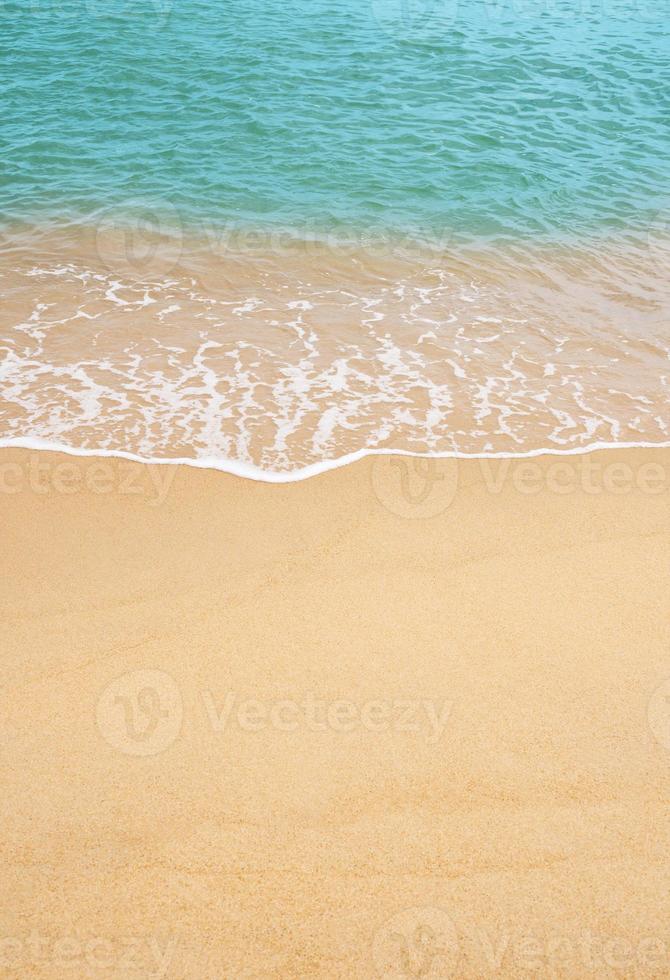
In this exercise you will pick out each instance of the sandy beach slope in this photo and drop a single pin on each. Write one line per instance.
(405, 719)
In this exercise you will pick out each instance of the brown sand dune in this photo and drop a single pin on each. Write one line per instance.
(406, 719)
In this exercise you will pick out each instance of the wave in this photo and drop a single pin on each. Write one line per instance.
(250, 472)
(284, 359)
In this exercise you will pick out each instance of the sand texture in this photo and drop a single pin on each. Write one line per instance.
(405, 719)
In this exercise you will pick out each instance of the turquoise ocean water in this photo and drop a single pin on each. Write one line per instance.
(466, 117)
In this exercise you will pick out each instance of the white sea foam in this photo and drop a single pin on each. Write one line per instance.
(249, 471)
(280, 371)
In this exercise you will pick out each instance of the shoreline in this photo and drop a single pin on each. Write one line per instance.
(248, 471)
(282, 730)
(287, 359)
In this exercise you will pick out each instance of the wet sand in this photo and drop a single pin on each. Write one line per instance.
(291, 355)
(403, 719)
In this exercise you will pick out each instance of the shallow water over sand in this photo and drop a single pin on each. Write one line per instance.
(285, 353)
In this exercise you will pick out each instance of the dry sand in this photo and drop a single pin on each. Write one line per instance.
(404, 719)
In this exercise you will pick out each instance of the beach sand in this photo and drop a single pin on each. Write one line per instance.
(404, 719)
